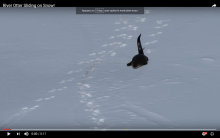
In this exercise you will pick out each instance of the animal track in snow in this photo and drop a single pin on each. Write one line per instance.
(46, 98)
(32, 108)
(70, 79)
(39, 100)
(112, 37)
(152, 35)
(17, 116)
(112, 53)
(147, 43)
(80, 63)
(165, 25)
(123, 45)
(139, 19)
(63, 81)
(121, 35)
(104, 45)
(148, 51)
(207, 59)
(153, 41)
(53, 90)
(114, 43)
(89, 104)
(102, 97)
(171, 81)
(86, 94)
(92, 54)
(70, 72)
(157, 27)
(147, 11)
(131, 27)
(86, 85)
(96, 112)
(100, 121)
(156, 34)
(159, 22)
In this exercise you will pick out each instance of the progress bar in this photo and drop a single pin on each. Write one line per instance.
(110, 129)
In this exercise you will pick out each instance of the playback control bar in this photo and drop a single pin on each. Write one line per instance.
(109, 133)
(23, 133)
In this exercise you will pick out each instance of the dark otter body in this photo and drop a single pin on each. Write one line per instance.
(139, 59)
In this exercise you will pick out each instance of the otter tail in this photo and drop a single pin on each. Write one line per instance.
(140, 49)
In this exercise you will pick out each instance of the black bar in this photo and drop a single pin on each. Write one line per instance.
(111, 133)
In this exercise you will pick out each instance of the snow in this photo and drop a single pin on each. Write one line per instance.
(60, 70)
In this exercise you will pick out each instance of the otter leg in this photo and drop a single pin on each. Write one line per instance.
(129, 64)
(135, 65)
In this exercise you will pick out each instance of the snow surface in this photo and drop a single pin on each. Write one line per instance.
(60, 70)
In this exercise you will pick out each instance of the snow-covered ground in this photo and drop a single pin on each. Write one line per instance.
(60, 70)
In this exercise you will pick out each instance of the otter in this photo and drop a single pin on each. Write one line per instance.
(140, 59)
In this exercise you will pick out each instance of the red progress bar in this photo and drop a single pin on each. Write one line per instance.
(7, 129)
